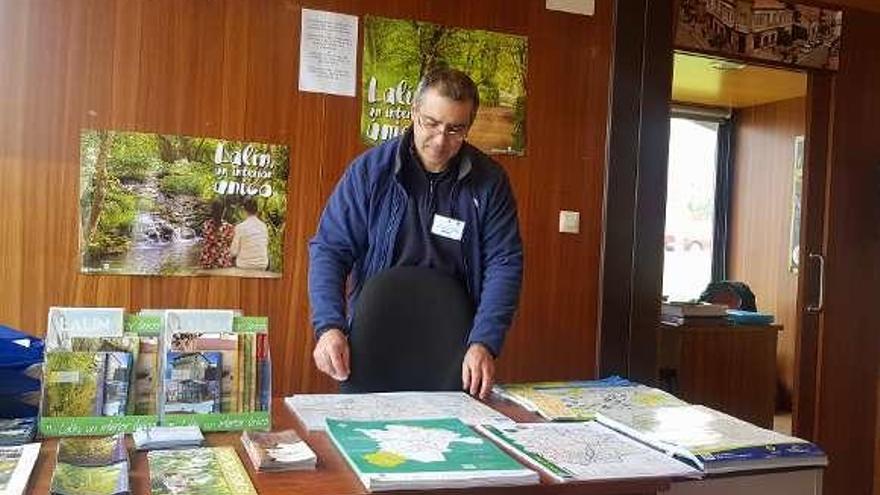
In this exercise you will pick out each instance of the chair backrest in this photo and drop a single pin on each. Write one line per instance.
(409, 332)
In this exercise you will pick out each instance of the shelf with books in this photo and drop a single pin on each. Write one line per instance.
(104, 377)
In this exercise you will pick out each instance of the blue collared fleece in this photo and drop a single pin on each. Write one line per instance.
(358, 230)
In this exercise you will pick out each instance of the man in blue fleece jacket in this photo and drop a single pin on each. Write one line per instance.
(426, 198)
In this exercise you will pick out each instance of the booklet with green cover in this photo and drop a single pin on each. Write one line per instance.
(201, 471)
(424, 454)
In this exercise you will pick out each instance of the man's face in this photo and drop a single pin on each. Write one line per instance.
(439, 128)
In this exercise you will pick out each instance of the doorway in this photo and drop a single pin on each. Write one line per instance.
(734, 189)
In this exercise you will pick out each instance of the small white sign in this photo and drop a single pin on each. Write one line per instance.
(328, 52)
(449, 228)
(582, 7)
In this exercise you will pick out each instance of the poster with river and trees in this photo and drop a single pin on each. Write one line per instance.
(397, 53)
(155, 204)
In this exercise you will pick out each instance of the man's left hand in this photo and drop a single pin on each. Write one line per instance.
(478, 371)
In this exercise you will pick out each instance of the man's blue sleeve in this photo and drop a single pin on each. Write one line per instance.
(341, 240)
(502, 257)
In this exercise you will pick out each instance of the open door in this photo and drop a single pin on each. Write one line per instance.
(810, 298)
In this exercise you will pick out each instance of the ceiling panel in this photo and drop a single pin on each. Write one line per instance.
(713, 82)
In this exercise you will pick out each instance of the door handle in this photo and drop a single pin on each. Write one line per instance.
(821, 303)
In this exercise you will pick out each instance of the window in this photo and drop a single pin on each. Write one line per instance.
(690, 208)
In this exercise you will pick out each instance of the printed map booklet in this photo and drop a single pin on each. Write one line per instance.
(201, 471)
(585, 451)
(16, 465)
(424, 454)
(278, 451)
(583, 400)
(716, 442)
(314, 409)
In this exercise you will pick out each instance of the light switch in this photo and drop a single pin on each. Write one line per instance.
(569, 222)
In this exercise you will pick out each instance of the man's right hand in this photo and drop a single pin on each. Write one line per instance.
(331, 354)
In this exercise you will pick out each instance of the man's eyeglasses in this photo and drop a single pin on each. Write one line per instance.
(436, 127)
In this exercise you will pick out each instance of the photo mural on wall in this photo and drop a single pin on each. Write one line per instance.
(398, 52)
(155, 204)
(786, 32)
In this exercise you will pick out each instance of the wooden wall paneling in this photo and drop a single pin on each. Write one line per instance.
(229, 69)
(761, 209)
(850, 343)
(13, 42)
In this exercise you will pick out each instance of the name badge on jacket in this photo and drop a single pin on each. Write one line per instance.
(449, 228)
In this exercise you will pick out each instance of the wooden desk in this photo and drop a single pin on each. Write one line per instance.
(729, 368)
(333, 476)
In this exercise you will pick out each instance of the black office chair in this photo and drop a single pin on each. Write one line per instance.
(409, 332)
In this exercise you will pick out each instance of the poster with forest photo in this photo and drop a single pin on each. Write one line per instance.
(398, 52)
(155, 204)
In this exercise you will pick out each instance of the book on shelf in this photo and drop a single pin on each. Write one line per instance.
(146, 376)
(86, 383)
(117, 376)
(314, 409)
(65, 323)
(225, 343)
(278, 451)
(685, 309)
(16, 465)
(264, 372)
(192, 382)
(585, 451)
(73, 384)
(91, 466)
(205, 470)
(424, 454)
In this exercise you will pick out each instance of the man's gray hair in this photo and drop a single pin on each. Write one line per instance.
(449, 83)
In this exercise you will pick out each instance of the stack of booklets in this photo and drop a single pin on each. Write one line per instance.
(206, 470)
(278, 451)
(16, 464)
(585, 451)
(693, 313)
(424, 454)
(314, 409)
(710, 440)
(168, 437)
(93, 466)
(17, 431)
